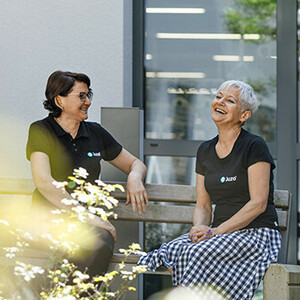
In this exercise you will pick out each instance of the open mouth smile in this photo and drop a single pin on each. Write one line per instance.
(84, 109)
(220, 111)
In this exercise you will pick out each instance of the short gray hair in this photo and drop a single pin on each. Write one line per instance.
(247, 95)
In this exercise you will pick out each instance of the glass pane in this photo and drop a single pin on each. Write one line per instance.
(165, 170)
(298, 21)
(191, 47)
(298, 256)
(170, 170)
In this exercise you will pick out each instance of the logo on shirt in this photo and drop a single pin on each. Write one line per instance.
(228, 179)
(91, 154)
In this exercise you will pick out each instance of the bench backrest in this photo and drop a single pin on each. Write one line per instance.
(168, 203)
(175, 204)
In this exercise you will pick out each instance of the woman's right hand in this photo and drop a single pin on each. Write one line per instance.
(197, 232)
(111, 229)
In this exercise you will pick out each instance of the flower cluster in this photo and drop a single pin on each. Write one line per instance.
(66, 282)
(27, 271)
(89, 200)
(62, 279)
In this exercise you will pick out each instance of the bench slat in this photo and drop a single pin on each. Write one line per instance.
(164, 193)
(187, 194)
(156, 192)
(10, 202)
(174, 214)
(16, 186)
(282, 199)
(282, 219)
(118, 258)
(157, 213)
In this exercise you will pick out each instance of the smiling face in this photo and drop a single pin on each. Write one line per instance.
(72, 107)
(226, 108)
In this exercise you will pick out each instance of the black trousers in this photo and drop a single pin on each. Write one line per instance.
(97, 260)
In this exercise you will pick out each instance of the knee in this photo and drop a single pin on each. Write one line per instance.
(106, 241)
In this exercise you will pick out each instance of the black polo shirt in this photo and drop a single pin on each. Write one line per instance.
(226, 179)
(91, 144)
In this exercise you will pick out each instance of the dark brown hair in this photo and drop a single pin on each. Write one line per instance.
(59, 84)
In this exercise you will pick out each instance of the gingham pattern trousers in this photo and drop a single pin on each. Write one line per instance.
(231, 265)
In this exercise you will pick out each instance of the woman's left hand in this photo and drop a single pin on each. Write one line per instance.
(136, 193)
(203, 235)
(136, 171)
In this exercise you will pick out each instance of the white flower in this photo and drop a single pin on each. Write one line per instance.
(100, 182)
(139, 269)
(80, 275)
(60, 297)
(60, 185)
(78, 209)
(78, 181)
(10, 255)
(56, 212)
(81, 172)
(113, 200)
(84, 198)
(4, 222)
(91, 216)
(69, 201)
(92, 188)
(92, 210)
(82, 218)
(71, 227)
(11, 251)
(58, 221)
(46, 236)
(27, 271)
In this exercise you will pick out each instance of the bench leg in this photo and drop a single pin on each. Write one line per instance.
(282, 282)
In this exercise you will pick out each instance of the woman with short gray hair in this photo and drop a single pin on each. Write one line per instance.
(228, 249)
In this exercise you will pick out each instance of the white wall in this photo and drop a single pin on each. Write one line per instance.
(41, 36)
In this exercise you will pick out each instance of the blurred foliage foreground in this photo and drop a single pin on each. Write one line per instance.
(58, 236)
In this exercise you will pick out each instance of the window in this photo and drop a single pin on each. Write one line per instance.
(190, 48)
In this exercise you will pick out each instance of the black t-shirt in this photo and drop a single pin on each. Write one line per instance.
(226, 179)
(91, 144)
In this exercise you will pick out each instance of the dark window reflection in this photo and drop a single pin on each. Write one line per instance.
(188, 55)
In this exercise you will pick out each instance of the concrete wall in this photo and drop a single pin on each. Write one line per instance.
(41, 36)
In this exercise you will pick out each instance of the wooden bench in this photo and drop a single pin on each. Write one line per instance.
(175, 204)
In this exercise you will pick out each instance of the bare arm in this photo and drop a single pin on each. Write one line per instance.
(136, 171)
(41, 174)
(202, 211)
(258, 181)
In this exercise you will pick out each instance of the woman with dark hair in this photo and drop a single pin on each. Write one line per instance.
(228, 249)
(64, 141)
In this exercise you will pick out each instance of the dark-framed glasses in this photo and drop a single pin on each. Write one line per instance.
(83, 95)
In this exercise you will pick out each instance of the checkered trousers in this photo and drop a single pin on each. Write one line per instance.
(231, 265)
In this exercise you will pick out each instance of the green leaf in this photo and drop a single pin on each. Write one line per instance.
(71, 185)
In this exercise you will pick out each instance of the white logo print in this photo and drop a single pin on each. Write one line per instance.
(228, 179)
(91, 154)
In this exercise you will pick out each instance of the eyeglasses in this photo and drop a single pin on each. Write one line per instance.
(83, 96)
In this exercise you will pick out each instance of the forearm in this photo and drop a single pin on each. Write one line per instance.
(202, 216)
(138, 169)
(243, 217)
(53, 194)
